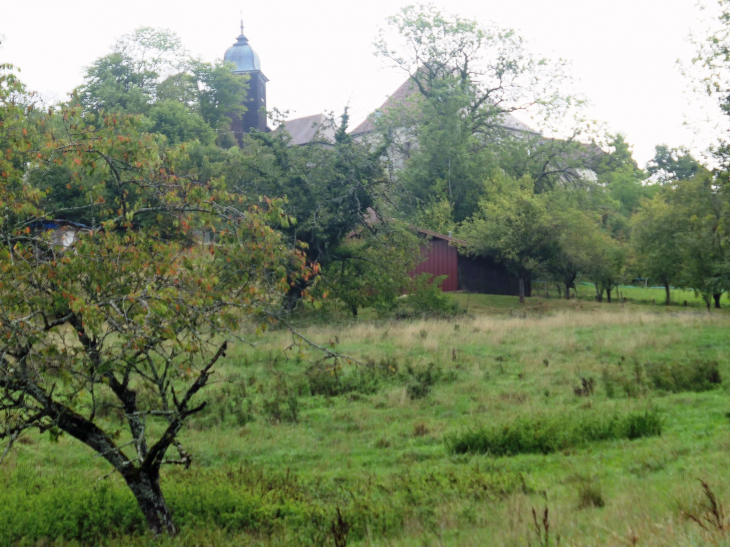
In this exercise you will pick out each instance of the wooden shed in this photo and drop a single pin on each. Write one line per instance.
(474, 274)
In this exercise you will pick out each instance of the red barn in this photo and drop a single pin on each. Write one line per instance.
(474, 274)
(440, 257)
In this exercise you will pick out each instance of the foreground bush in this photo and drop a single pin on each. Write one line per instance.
(546, 435)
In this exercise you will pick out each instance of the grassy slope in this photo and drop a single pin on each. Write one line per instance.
(507, 362)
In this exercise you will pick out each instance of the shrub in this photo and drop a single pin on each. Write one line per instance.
(546, 435)
(697, 375)
(420, 381)
(590, 494)
(426, 299)
(333, 381)
(674, 377)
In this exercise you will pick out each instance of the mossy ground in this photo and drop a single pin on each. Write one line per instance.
(273, 462)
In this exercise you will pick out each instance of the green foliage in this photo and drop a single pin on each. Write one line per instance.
(420, 382)
(671, 164)
(260, 502)
(426, 299)
(332, 381)
(125, 306)
(551, 434)
(515, 226)
(693, 375)
(450, 131)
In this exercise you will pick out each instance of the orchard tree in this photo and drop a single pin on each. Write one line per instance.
(658, 229)
(515, 227)
(576, 232)
(126, 306)
(704, 240)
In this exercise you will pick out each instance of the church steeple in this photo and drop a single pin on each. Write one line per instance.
(247, 62)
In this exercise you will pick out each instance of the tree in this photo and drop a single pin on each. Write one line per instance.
(657, 230)
(516, 228)
(372, 268)
(466, 80)
(704, 240)
(332, 190)
(127, 306)
(576, 232)
(670, 164)
(149, 72)
(607, 264)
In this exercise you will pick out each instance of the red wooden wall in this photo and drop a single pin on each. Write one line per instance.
(440, 259)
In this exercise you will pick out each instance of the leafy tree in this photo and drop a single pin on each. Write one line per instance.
(372, 269)
(607, 259)
(466, 79)
(669, 164)
(516, 228)
(704, 264)
(576, 233)
(124, 309)
(621, 176)
(332, 191)
(179, 124)
(150, 73)
(657, 231)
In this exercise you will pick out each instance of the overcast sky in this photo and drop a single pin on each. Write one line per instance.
(318, 54)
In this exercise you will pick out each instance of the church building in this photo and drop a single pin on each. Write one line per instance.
(247, 62)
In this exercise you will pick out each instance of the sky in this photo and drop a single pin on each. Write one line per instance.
(319, 54)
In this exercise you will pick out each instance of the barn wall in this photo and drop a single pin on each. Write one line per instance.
(484, 275)
(440, 259)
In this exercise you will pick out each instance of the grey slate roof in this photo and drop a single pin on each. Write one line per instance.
(310, 129)
(409, 92)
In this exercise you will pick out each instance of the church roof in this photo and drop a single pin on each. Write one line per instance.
(309, 129)
(243, 56)
(408, 91)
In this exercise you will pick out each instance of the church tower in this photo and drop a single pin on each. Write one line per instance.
(247, 62)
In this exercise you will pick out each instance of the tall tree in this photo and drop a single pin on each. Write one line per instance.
(465, 81)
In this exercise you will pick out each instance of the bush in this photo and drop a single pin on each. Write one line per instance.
(590, 494)
(546, 435)
(333, 381)
(426, 299)
(676, 377)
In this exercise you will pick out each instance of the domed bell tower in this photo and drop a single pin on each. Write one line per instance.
(247, 62)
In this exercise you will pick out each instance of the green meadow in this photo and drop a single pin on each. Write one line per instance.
(553, 423)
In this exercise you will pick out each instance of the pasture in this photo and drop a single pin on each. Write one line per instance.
(293, 451)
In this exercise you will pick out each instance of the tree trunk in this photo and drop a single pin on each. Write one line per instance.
(669, 300)
(145, 485)
(522, 290)
(560, 291)
(354, 311)
(567, 290)
(717, 297)
(608, 295)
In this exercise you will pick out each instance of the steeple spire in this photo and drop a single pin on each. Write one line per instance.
(241, 22)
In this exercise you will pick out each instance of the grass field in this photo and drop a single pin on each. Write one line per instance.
(287, 441)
